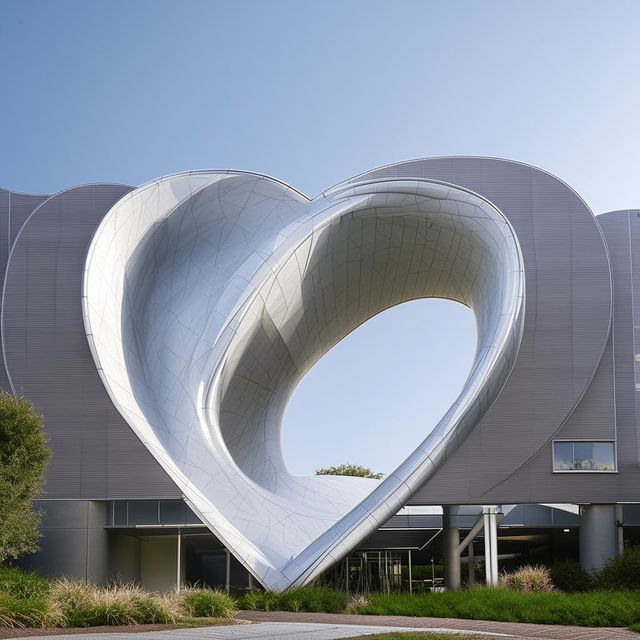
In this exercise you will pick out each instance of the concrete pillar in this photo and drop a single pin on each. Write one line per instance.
(450, 551)
(598, 535)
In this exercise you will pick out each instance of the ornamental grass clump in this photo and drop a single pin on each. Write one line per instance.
(528, 579)
(24, 600)
(205, 603)
(22, 584)
(82, 604)
(356, 602)
(28, 612)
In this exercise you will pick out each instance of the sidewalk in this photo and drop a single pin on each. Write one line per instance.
(257, 631)
(518, 630)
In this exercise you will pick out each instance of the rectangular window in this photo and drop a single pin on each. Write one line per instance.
(583, 456)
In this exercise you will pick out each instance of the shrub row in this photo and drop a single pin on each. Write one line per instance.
(29, 601)
(314, 599)
(621, 572)
(595, 608)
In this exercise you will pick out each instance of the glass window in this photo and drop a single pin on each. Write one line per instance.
(563, 456)
(120, 513)
(583, 456)
(603, 456)
(177, 512)
(143, 512)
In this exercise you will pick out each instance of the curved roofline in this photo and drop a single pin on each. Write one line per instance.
(462, 157)
(25, 193)
(10, 255)
(257, 174)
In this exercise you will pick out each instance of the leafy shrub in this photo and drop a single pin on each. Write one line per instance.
(22, 584)
(23, 458)
(424, 571)
(621, 572)
(528, 579)
(207, 603)
(570, 577)
(313, 599)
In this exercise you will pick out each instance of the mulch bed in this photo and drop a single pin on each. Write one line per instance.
(10, 632)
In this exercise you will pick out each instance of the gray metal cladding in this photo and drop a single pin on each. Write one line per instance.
(14, 210)
(96, 455)
(622, 232)
(207, 295)
(567, 324)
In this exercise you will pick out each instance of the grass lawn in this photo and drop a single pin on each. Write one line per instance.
(192, 623)
(589, 609)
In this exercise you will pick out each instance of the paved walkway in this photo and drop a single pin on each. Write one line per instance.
(279, 630)
(517, 630)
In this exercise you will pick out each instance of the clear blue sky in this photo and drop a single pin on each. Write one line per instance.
(313, 92)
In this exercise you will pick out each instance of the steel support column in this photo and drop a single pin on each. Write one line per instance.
(450, 550)
(490, 515)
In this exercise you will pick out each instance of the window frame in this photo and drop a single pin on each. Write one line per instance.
(573, 440)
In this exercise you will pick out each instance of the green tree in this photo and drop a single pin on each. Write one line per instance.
(349, 469)
(23, 459)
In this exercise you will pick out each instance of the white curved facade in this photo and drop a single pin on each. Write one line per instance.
(208, 295)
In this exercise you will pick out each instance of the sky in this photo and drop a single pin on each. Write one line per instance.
(312, 93)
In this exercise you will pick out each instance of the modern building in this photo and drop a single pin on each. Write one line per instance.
(161, 330)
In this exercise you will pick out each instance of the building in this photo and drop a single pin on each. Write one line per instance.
(161, 329)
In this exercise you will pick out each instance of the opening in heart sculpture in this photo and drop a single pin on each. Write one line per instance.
(208, 295)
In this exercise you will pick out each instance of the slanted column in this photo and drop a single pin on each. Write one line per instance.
(471, 573)
(598, 535)
(450, 550)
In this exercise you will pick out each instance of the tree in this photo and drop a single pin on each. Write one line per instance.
(349, 469)
(24, 454)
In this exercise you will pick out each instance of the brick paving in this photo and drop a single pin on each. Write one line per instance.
(519, 630)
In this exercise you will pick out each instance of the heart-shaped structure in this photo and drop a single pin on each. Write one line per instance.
(208, 295)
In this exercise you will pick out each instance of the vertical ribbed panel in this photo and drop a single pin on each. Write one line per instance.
(622, 231)
(15, 208)
(96, 455)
